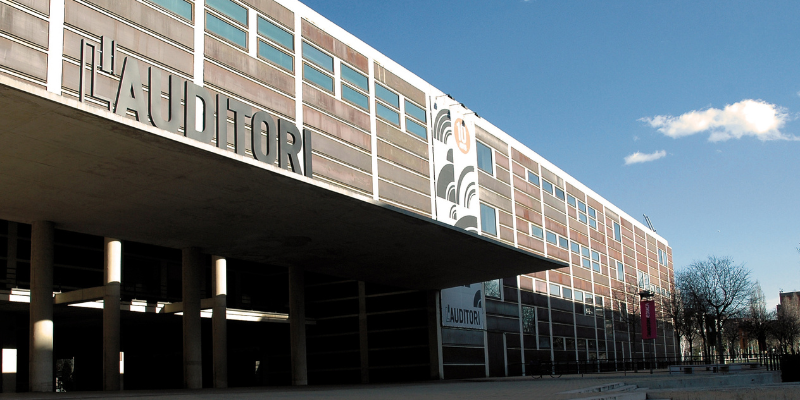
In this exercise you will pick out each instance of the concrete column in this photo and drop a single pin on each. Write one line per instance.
(435, 335)
(41, 308)
(8, 338)
(362, 332)
(219, 321)
(112, 278)
(192, 351)
(297, 326)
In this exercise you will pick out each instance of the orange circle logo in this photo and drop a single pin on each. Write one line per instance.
(462, 135)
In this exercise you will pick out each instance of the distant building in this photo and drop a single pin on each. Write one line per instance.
(789, 298)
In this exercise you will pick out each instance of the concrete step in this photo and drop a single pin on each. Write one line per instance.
(599, 388)
(632, 395)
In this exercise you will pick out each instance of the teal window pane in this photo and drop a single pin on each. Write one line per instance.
(560, 194)
(593, 223)
(596, 266)
(351, 76)
(555, 290)
(180, 7)
(582, 217)
(355, 97)
(485, 158)
(547, 186)
(278, 57)
(617, 232)
(595, 256)
(563, 242)
(578, 295)
(317, 57)
(488, 220)
(585, 263)
(318, 78)
(537, 232)
(416, 129)
(387, 114)
(582, 206)
(278, 35)
(229, 8)
(552, 238)
(576, 248)
(592, 212)
(414, 111)
(585, 251)
(387, 95)
(620, 271)
(533, 178)
(567, 293)
(572, 201)
(226, 30)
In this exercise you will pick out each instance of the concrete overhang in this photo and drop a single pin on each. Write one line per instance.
(89, 170)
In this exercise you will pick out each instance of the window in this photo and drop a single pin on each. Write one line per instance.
(592, 212)
(488, 220)
(555, 290)
(620, 271)
(593, 223)
(585, 263)
(617, 232)
(559, 193)
(318, 78)
(317, 57)
(592, 218)
(596, 261)
(578, 296)
(576, 248)
(387, 114)
(581, 206)
(229, 9)
(544, 342)
(533, 178)
(582, 218)
(623, 311)
(567, 293)
(595, 256)
(278, 57)
(179, 7)
(589, 299)
(595, 266)
(572, 200)
(417, 129)
(541, 286)
(662, 257)
(642, 280)
(226, 30)
(275, 33)
(528, 319)
(558, 343)
(537, 231)
(355, 78)
(552, 238)
(355, 97)
(585, 251)
(547, 186)
(416, 112)
(387, 95)
(485, 162)
(563, 242)
(492, 288)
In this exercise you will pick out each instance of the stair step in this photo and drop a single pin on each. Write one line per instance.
(635, 395)
(599, 388)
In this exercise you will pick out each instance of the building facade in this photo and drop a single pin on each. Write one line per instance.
(218, 193)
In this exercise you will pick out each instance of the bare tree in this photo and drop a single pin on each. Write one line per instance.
(757, 319)
(723, 288)
(786, 327)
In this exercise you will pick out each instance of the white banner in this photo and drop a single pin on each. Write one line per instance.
(462, 306)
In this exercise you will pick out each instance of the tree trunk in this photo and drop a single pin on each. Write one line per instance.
(720, 354)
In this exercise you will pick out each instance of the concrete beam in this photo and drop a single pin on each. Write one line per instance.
(172, 308)
(80, 296)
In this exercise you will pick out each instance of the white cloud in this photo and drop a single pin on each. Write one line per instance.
(638, 157)
(755, 118)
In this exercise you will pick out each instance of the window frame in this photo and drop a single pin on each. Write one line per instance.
(315, 84)
(160, 7)
(478, 149)
(484, 206)
(261, 40)
(245, 24)
(212, 13)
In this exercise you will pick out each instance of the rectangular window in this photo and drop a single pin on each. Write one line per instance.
(485, 162)
(572, 201)
(595, 256)
(417, 129)
(528, 319)
(387, 114)
(488, 220)
(623, 311)
(533, 178)
(592, 212)
(620, 271)
(541, 286)
(230, 9)
(581, 206)
(179, 7)
(547, 186)
(558, 343)
(589, 299)
(416, 112)
(576, 248)
(492, 288)
(578, 295)
(552, 238)
(316, 77)
(563, 242)
(276, 34)
(595, 266)
(355, 97)
(582, 218)
(355, 78)
(585, 251)
(555, 290)
(537, 232)
(544, 342)
(280, 58)
(559, 193)
(567, 293)
(617, 232)
(387, 95)
(226, 30)
(317, 57)
(585, 263)
(593, 223)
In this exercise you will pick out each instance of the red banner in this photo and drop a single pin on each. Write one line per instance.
(649, 327)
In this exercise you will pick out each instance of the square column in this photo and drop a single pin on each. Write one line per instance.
(219, 321)
(297, 326)
(41, 308)
(112, 278)
(434, 334)
(192, 350)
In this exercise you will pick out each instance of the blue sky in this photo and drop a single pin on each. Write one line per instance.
(706, 93)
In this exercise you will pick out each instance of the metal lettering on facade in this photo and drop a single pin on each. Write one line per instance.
(271, 142)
